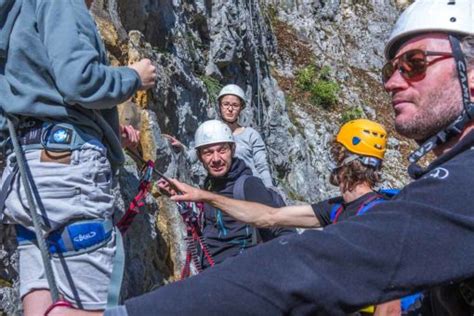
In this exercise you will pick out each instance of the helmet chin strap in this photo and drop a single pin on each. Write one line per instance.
(457, 126)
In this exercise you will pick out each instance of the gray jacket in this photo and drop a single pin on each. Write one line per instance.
(54, 67)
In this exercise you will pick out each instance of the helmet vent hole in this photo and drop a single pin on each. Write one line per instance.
(453, 19)
(452, 2)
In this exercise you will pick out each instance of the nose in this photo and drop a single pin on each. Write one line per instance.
(396, 82)
(215, 157)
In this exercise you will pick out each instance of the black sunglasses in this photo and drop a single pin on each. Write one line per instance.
(411, 64)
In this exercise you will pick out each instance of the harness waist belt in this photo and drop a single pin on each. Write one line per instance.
(53, 136)
(80, 236)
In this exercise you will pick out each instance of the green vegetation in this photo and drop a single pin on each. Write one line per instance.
(352, 113)
(213, 87)
(322, 89)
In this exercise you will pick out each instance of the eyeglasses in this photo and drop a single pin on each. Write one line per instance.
(411, 64)
(227, 105)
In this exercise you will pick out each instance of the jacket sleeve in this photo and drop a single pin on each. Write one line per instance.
(421, 239)
(260, 158)
(77, 57)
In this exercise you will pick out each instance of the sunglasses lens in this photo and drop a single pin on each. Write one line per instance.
(413, 63)
(387, 71)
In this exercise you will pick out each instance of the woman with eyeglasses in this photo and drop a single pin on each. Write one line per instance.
(249, 144)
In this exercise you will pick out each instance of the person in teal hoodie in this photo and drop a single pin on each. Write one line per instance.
(58, 88)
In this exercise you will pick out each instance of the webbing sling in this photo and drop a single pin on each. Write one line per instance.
(191, 214)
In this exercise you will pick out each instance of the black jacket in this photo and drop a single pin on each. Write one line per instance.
(225, 236)
(422, 238)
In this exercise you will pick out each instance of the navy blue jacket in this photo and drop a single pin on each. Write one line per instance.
(225, 236)
(420, 239)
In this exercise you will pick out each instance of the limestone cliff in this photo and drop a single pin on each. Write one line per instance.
(306, 66)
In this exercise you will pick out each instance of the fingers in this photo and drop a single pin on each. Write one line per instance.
(165, 187)
(146, 71)
(130, 137)
(173, 141)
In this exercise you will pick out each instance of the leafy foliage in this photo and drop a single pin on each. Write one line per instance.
(322, 88)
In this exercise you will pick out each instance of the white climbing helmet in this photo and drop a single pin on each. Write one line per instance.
(212, 132)
(232, 89)
(450, 16)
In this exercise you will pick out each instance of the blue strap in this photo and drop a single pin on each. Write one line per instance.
(334, 210)
(73, 239)
(389, 192)
(367, 206)
(116, 278)
(410, 302)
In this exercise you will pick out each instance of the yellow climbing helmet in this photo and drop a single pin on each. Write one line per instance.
(363, 137)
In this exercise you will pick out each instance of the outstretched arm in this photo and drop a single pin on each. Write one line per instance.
(252, 213)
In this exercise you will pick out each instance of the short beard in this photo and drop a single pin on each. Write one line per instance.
(432, 119)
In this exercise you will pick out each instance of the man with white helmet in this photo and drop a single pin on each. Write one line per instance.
(421, 239)
(227, 176)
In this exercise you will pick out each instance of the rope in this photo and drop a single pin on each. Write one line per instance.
(257, 66)
(34, 216)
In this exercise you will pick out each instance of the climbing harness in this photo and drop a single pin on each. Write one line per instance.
(74, 238)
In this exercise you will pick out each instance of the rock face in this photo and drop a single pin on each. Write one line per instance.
(263, 46)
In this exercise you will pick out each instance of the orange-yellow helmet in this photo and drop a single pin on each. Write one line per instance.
(363, 137)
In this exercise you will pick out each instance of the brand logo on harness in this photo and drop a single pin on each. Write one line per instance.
(26, 124)
(83, 237)
(439, 173)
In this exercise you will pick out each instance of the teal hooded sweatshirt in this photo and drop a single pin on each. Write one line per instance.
(53, 66)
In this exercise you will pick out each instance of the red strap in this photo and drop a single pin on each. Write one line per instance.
(341, 208)
(132, 210)
(187, 266)
(138, 200)
(60, 303)
(204, 249)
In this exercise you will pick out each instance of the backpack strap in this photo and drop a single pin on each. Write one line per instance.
(335, 211)
(239, 190)
(239, 194)
(382, 196)
(373, 200)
